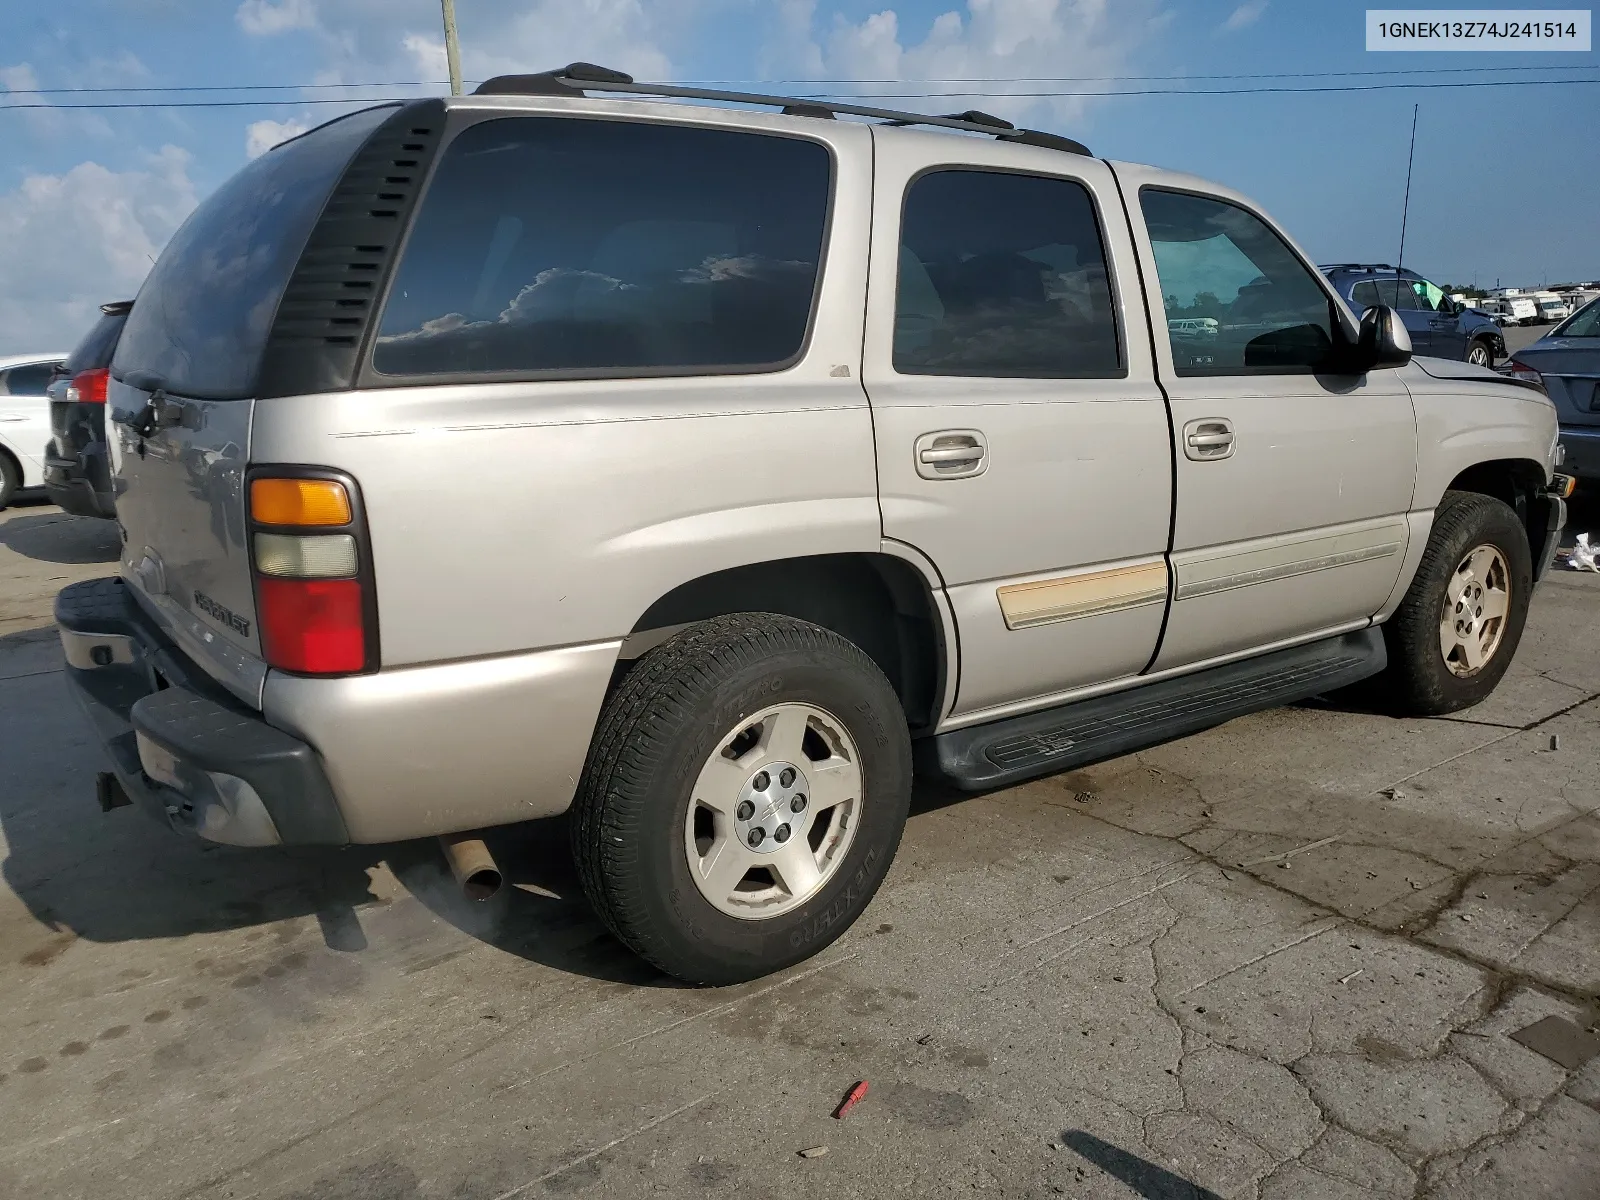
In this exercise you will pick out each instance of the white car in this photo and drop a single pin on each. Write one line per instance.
(24, 420)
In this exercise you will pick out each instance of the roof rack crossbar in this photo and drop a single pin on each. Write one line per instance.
(585, 77)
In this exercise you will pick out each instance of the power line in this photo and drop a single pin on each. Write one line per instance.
(988, 79)
(948, 95)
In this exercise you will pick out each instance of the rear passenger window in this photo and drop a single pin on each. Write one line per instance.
(1003, 275)
(554, 246)
(31, 380)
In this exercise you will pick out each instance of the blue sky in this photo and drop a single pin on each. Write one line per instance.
(1505, 183)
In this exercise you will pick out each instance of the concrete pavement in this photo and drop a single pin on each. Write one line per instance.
(1284, 958)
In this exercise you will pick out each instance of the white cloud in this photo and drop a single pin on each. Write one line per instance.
(1247, 13)
(20, 78)
(261, 136)
(262, 18)
(427, 57)
(987, 40)
(73, 241)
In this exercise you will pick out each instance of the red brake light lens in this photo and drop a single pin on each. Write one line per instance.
(89, 387)
(313, 626)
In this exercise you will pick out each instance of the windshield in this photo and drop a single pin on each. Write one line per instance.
(1583, 323)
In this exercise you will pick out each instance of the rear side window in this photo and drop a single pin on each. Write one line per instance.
(202, 318)
(31, 380)
(1365, 295)
(1215, 259)
(557, 246)
(97, 346)
(1003, 275)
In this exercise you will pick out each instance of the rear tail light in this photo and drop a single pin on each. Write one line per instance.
(313, 626)
(89, 387)
(1521, 370)
(314, 594)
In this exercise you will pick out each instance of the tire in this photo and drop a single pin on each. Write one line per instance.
(1420, 680)
(672, 767)
(1480, 353)
(10, 479)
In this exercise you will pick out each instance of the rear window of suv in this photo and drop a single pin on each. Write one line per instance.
(202, 318)
(98, 345)
(551, 246)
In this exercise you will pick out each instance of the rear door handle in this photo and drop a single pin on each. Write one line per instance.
(951, 454)
(1208, 439)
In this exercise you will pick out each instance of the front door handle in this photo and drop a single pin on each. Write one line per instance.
(951, 454)
(1208, 439)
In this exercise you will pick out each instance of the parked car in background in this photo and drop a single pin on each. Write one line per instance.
(1439, 327)
(24, 420)
(77, 471)
(1567, 362)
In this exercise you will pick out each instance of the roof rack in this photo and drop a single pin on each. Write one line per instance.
(575, 79)
(1367, 267)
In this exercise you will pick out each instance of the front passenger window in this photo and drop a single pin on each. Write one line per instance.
(1216, 260)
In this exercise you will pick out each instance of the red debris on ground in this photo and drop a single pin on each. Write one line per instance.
(852, 1098)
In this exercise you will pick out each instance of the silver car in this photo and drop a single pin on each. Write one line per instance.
(798, 451)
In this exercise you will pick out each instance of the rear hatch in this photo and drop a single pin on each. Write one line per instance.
(184, 385)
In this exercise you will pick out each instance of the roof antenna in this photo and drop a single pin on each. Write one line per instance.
(1405, 208)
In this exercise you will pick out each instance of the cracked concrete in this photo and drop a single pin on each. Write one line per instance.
(1107, 984)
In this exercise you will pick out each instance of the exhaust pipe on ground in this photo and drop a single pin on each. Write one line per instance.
(474, 867)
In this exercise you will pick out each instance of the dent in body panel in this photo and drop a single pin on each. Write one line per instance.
(429, 750)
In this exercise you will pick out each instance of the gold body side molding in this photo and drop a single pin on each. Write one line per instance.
(1088, 594)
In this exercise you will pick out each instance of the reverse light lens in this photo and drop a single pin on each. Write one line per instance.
(89, 387)
(299, 502)
(328, 556)
(312, 626)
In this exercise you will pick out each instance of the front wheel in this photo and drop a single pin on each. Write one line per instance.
(1453, 636)
(744, 797)
(1480, 354)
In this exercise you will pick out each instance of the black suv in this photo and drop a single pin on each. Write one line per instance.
(77, 472)
(1439, 327)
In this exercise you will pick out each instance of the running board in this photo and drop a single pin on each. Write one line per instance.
(1041, 743)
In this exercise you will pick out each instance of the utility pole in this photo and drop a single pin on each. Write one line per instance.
(452, 50)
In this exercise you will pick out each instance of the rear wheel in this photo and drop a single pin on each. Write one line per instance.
(1480, 353)
(10, 479)
(744, 797)
(1454, 635)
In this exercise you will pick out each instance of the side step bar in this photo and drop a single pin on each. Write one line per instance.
(1041, 743)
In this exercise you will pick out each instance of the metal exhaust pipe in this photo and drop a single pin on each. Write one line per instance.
(474, 866)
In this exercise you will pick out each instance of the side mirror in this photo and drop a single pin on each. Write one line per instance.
(1384, 341)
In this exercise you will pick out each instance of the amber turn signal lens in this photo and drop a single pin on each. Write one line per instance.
(299, 502)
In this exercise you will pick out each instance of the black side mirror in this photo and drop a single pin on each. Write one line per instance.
(1383, 341)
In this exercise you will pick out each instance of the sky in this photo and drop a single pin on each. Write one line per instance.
(1504, 187)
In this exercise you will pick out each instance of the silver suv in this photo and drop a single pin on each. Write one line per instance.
(700, 469)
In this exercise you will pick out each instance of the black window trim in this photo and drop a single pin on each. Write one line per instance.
(1112, 275)
(1347, 324)
(458, 121)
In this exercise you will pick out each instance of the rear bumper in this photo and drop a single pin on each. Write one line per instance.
(186, 752)
(81, 485)
(1583, 451)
